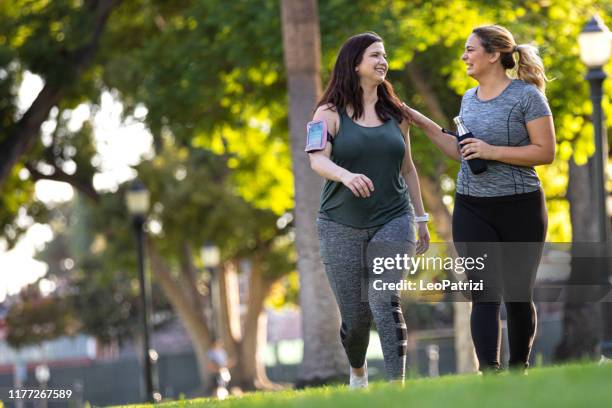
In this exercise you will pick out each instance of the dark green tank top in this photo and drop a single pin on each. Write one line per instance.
(378, 153)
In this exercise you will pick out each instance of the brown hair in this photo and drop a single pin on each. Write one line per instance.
(344, 90)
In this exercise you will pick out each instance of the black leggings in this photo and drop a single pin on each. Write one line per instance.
(511, 231)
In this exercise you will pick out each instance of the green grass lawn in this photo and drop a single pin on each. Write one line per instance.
(561, 386)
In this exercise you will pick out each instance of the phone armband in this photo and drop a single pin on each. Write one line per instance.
(316, 136)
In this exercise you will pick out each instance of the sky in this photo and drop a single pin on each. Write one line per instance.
(119, 144)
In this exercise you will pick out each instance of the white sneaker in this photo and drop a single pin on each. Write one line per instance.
(359, 381)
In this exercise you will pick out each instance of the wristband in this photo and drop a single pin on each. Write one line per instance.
(422, 218)
(449, 132)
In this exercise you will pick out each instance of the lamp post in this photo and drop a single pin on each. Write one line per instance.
(595, 44)
(137, 201)
(42, 374)
(211, 257)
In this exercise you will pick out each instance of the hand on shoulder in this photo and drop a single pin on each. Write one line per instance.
(414, 117)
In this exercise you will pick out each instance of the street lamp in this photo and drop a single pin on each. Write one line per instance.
(211, 257)
(138, 200)
(42, 374)
(595, 46)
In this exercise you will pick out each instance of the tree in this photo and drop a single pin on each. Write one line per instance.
(323, 355)
(91, 17)
(91, 295)
(199, 206)
(194, 204)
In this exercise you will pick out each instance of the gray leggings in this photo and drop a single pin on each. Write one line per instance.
(343, 250)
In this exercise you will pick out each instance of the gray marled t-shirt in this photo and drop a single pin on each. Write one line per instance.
(501, 121)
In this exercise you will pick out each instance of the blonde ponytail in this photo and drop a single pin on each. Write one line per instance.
(530, 67)
(495, 38)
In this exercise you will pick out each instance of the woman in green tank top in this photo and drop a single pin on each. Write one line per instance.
(371, 194)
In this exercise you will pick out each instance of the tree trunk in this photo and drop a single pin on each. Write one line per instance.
(582, 321)
(324, 357)
(245, 349)
(228, 314)
(192, 318)
(464, 347)
(255, 332)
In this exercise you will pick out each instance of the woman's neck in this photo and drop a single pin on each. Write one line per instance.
(492, 84)
(370, 95)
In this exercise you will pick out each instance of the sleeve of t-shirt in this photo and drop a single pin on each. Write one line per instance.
(534, 104)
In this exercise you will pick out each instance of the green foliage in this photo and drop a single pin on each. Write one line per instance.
(94, 295)
(43, 35)
(39, 37)
(93, 256)
(18, 209)
(196, 201)
(211, 73)
(190, 62)
(207, 87)
(285, 292)
(36, 318)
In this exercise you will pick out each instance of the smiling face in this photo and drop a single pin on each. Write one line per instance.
(373, 66)
(478, 61)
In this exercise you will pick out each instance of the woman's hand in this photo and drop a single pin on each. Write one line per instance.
(473, 148)
(415, 117)
(423, 242)
(359, 184)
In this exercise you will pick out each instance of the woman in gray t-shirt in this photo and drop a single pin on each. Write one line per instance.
(513, 131)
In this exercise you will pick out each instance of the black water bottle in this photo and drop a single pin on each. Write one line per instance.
(476, 165)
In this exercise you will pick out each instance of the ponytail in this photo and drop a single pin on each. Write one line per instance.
(530, 67)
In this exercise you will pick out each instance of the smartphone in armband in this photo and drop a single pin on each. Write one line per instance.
(316, 135)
